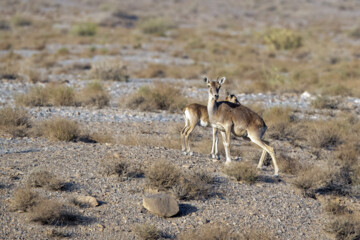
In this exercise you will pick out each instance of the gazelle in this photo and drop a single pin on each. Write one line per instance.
(196, 114)
(232, 98)
(237, 119)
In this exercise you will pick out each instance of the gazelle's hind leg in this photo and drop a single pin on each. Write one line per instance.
(226, 142)
(262, 158)
(187, 134)
(182, 135)
(257, 140)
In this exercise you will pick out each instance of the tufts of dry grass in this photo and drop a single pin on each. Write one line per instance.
(122, 168)
(164, 176)
(50, 95)
(60, 129)
(102, 137)
(21, 21)
(335, 207)
(24, 199)
(34, 75)
(147, 232)
(242, 171)
(283, 39)
(94, 94)
(345, 227)
(288, 164)
(36, 96)
(309, 178)
(43, 178)
(218, 231)
(111, 71)
(50, 212)
(9, 71)
(323, 103)
(160, 96)
(14, 121)
(84, 29)
(279, 121)
(156, 26)
(325, 134)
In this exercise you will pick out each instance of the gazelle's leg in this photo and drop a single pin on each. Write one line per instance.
(214, 148)
(187, 134)
(262, 158)
(267, 148)
(226, 141)
(182, 135)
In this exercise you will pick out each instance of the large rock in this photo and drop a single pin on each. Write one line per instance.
(161, 204)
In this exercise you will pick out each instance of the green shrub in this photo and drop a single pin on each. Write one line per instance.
(283, 39)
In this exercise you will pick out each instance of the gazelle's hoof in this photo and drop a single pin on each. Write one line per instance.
(191, 153)
(276, 175)
(185, 153)
(260, 168)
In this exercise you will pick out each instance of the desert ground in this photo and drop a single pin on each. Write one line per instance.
(91, 105)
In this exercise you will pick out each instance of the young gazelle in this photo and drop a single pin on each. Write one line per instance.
(237, 119)
(196, 114)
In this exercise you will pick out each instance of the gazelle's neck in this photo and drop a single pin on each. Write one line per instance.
(211, 107)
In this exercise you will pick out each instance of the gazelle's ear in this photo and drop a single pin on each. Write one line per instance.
(206, 79)
(222, 80)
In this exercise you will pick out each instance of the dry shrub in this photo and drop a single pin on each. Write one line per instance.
(43, 178)
(113, 71)
(60, 129)
(160, 96)
(56, 234)
(157, 26)
(34, 75)
(208, 232)
(21, 21)
(94, 94)
(9, 71)
(288, 164)
(24, 199)
(50, 95)
(325, 134)
(283, 39)
(348, 153)
(164, 176)
(278, 119)
(14, 121)
(309, 178)
(324, 102)
(84, 29)
(49, 212)
(36, 96)
(345, 227)
(241, 171)
(124, 169)
(335, 207)
(102, 137)
(147, 231)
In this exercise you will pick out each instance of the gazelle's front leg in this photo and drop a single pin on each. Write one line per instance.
(226, 141)
(214, 149)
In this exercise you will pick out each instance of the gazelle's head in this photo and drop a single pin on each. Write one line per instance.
(232, 98)
(214, 87)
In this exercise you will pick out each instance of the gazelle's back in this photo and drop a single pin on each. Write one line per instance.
(199, 111)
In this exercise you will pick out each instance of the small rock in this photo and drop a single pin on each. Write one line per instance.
(87, 200)
(161, 204)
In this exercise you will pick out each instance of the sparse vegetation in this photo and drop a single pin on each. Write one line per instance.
(164, 176)
(279, 120)
(60, 129)
(345, 227)
(160, 96)
(157, 26)
(51, 212)
(21, 21)
(324, 102)
(14, 121)
(241, 171)
(24, 199)
(122, 168)
(43, 178)
(94, 94)
(109, 71)
(84, 29)
(283, 39)
(147, 232)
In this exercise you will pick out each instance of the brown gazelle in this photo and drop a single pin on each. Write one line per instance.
(196, 114)
(237, 119)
